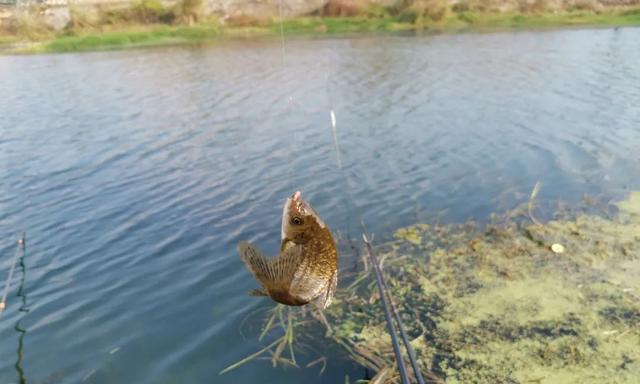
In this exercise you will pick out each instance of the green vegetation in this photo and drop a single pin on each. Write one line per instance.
(509, 302)
(149, 22)
(515, 21)
(7, 40)
(338, 25)
(160, 35)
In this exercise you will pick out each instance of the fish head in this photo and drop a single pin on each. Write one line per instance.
(299, 220)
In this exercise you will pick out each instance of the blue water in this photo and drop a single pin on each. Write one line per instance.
(136, 173)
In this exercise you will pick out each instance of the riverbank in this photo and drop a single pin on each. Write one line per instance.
(89, 38)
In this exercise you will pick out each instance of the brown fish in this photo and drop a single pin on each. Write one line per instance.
(306, 269)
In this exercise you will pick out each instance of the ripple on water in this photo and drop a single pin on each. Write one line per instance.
(136, 185)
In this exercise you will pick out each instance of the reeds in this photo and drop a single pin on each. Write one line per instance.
(281, 318)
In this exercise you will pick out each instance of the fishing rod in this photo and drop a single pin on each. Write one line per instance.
(19, 250)
(389, 308)
(403, 334)
(382, 286)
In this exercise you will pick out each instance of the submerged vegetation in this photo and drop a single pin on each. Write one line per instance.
(151, 22)
(514, 301)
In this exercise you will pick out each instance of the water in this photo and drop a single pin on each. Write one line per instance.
(136, 173)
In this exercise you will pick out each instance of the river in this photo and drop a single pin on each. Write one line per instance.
(136, 173)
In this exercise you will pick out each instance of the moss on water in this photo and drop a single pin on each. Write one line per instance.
(631, 206)
(495, 304)
(412, 234)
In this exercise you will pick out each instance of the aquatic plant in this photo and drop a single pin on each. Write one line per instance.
(495, 303)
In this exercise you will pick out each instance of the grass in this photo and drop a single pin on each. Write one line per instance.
(6, 40)
(130, 34)
(518, 21)
(339, 25)
(157, 35)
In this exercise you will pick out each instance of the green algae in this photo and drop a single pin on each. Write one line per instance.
(631, 205)
(494, 304)
(412, 234)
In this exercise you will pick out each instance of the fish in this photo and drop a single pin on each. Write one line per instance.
(306, 269)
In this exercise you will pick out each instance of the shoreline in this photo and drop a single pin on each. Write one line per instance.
(153, 35)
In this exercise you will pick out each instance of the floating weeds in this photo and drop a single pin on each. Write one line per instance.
(412, 234)
(494, 304)
(280, 344)
(631, 206)
(319, 360)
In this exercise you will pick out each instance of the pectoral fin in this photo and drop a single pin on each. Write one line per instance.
(325, 298)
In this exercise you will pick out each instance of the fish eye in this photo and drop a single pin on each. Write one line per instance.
(296, 220)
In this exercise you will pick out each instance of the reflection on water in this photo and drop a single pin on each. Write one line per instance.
(24, 310)
(137, 173)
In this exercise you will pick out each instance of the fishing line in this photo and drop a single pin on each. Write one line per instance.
(386, 299)
(282, 34)
(335, 139)
(384, 294)
(19, 251)
(283, 63)
(349, 208)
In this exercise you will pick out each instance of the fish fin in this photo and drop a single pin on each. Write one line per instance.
(256, 262)
(258, 292)
(325, 298)
(332, 289)
(272, 274)
(308, 286)
(284, 267)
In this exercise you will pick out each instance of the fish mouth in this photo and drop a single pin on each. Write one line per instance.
(296, 196)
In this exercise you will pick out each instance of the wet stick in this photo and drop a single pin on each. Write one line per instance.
(532, 198)
(319, 360)
(250, 357)
(289, 336)
(268, 326)
(19, 250)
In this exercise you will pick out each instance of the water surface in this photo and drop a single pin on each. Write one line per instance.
(136, 173)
